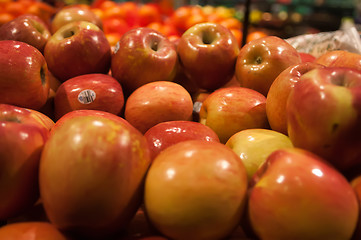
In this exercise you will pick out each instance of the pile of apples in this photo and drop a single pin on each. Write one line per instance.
(160, 139)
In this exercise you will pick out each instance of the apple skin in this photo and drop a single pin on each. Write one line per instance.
(102, 164)
(356, 185)
(306, 57)
(14, 113)
(323, 115)
(138, 53)
(166, 134)
(27, 28)
(208, 54)
(108, 94)
(261, 60)
(24, 77)
(196, 190)
(297, 195)
(340, 58)
(77, 48)
(87, 112)
(21, 145)
(74, 14)
(37, 231)
(230, 110)
(253, 146)
(158, 102)
(279, 91)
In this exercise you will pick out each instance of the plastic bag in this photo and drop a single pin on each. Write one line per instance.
(320, 43)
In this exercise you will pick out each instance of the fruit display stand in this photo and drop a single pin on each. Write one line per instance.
(125, 120)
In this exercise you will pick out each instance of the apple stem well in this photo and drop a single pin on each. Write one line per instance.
(154, 46)
(42, 75)
(208, 37)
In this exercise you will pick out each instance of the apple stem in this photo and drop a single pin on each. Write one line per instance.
(154, 46)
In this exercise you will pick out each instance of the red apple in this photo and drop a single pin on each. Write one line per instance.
(73, 14)
(323, 115)
(30, 230)
(297, 195)
(279, 91)
(22, 139)
(24, 79)
(158, 102)
(77, 48)
(208, 53)
(86, 112)
(27, 28)
(261, 60)
(143, 55)
(89, 91)
(340, 58)
(253, 146)
(307, 57)
(356, 185)
(166, 134)
(13, 113)
(230, 110)
(196, 190)
(91, 176)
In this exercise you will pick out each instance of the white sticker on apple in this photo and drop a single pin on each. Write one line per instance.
(86, 96)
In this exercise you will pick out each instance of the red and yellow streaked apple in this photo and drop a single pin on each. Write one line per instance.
(340, 58)
(77, 48)
(208, 54)
(279, 91)
(260, 61)
(323, 115)
(298, 195)
(230, 110)
(158, 102)
(102, 165)
(196, 190)
(24, 76)
(143, 55)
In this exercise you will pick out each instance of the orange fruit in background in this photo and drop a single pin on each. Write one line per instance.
(238, 34)
(5, 17)
(149, 13)
(255, 35)
(107, 4)
(231, 23)
(180, 17)
(15, 8)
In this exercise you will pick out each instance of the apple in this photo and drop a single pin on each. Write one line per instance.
(143, 55)
(307, 57)
(340, 58)
(279, 91)
(166, 134)
(48, 107)
(208, 53)
(91, 176)
(230, 110)
(94, 91)
(158, 102)
(87, 112)
(77, 48)
(253, 146)
(298, 195)
(30, 230)
(261, 60)
(22, 139)
(323, 115)
(17, 114)
(24, 77)
(356, 185)
(195, 189)
(73, 14)
(27, 28)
